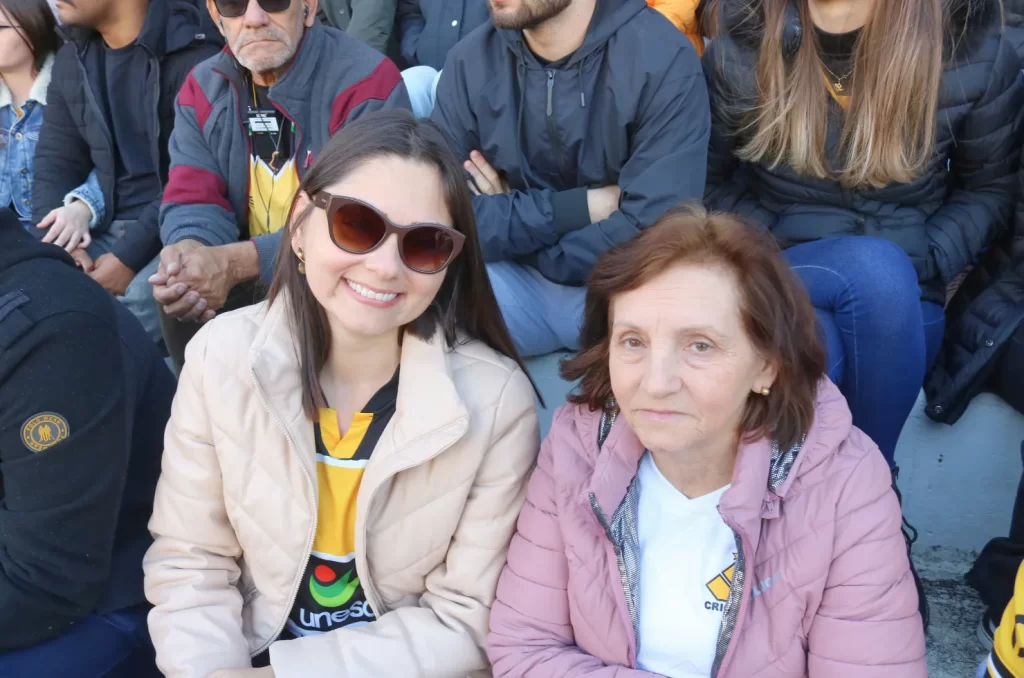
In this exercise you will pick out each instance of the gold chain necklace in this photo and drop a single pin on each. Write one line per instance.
(837, 82)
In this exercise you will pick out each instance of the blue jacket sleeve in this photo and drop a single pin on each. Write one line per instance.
(410, 26)
(983, 168)
(512, 224)
(60, 506)
(92, 195)
(667, 166)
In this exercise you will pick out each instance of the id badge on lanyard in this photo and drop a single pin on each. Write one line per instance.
(262, 121)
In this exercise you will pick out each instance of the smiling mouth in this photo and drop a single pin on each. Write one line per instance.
(371, 294)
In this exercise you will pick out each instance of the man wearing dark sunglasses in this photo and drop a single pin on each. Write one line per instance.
(250, 123)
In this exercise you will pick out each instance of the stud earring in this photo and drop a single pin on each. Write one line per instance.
(302, 261)
(765, 390)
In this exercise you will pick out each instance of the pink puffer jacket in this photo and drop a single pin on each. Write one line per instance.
(823, 584)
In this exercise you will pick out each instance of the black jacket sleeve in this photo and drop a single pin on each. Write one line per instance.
(60, 503)
(62, 158)
(983, 170)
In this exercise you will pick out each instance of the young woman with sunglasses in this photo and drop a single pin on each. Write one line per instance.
(345, 463)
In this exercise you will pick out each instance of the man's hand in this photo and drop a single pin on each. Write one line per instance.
(194, 280)
(266, 672)
(488, 181)
(603, 202)
(69, 226)
(112, 274)
(83, 260)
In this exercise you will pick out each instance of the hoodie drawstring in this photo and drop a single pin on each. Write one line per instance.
(579, 83)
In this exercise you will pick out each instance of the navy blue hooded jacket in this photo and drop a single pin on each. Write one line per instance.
(84, 399)
(629, 107)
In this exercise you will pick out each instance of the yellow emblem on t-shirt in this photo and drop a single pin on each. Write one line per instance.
(44, 430)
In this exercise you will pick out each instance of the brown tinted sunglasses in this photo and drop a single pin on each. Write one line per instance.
(359, 228)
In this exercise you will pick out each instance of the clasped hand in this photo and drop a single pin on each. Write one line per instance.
(193, 281)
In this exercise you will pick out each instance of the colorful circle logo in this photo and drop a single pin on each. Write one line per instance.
(330, 591)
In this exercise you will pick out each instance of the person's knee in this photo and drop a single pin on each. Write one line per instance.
(420, 82)
(881, 270)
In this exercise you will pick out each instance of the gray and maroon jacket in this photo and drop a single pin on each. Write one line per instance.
(333, 79)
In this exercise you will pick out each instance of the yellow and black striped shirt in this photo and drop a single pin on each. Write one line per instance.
(330, 595)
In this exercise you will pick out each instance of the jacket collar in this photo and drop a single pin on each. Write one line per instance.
(170, 25)
(38, 91)
(291, 91)
(968, 22)
(763, 474)
(429, 412)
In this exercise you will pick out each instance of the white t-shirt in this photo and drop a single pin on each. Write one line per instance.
(687, 560)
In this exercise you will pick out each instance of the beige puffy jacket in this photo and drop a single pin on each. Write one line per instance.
(235, 509)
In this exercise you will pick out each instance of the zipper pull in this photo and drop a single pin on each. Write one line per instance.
(551, 86)
(309, 160)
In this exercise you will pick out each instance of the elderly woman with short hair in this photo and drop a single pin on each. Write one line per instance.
(704, 506)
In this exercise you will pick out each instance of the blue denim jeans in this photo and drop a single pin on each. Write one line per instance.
(880, 337)
(421, 82)
(115, 645)
(542, 316)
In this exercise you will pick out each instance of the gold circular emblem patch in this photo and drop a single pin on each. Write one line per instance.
(43, 431)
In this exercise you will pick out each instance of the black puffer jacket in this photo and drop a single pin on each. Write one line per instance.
(75, 137)
(987, 310)
(945, 218)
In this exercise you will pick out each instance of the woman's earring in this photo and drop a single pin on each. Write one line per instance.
(765, 390)
(302, 261)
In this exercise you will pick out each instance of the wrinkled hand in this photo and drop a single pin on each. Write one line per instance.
(69, 226)
(192, 281)
(112, 274)
(488, 181)
(603, 202)
(83, 260)
(266, 672)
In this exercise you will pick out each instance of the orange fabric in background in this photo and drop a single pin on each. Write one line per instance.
(682, 13)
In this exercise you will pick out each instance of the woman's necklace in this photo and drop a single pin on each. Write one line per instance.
(837, 81)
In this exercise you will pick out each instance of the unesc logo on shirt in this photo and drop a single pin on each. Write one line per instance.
(720, 587)
(43, 431)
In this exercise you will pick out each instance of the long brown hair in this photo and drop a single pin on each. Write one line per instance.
(777, 313)
(465, 304)
(889, 129)
(38, 27)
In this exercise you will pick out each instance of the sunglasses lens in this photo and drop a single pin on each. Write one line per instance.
(274, 6)
(236, 8)
(231, 8)
(427, 248)
(357, 228)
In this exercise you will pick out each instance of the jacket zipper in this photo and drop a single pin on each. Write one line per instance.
(619, 560)
(730, 616)
(108, 218)
(312, 526)
(155, 137)
(248, 146)
(368, 589)
(556, 141)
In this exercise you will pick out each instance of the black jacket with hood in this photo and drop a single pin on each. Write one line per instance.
(75, 136)
(947, 216)
(84, 399)
(629, 107)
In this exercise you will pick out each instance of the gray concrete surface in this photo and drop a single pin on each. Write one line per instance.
(953, 647)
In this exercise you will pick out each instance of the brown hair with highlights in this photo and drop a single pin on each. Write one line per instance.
(777, 313)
